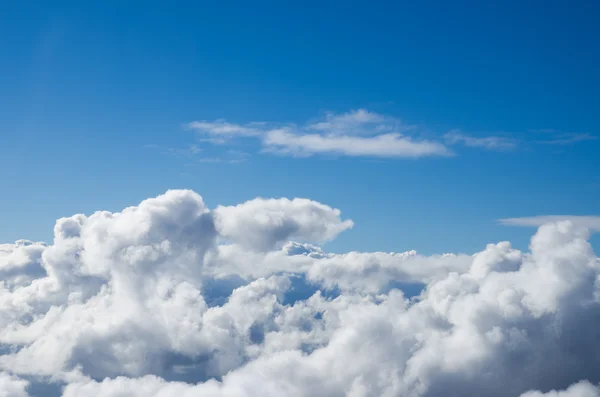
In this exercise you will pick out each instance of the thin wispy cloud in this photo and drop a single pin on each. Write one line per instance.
(568, 139)
(561, 138)
(222, 128)
(357, 122)
(358, 133)
(363, 133)
(228, 157)
(486, 142)
(385, 145)
(220, 160)
(591, 222)
(188, 151)
(214, 141)
(195, 155)
(191, 150)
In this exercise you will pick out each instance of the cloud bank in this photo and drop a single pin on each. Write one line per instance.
(171, 297)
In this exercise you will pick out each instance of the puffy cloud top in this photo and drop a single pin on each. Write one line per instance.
(263, 223)
(172, 298)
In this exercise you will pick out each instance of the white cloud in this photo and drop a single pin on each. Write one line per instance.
(12, 386)
(569, 138)
(372, 272)
(124, 305)
(262, 223)
(590, 222)
(384, 145)
(361, 133)
(356, 133)
(580, 389)
(356, 122)
(20, 254)
(487, 142)
(20, 262)
(223, 129)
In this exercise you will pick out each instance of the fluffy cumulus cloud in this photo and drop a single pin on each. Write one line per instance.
(171, 297)
(262, 223)
(581, 389)
(20, 262)
(12, 386)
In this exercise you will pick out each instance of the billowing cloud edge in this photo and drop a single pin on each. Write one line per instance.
(171, 297)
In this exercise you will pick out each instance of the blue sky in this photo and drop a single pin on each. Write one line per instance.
(493, 107)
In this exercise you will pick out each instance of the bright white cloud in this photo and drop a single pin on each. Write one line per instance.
(124, 304)
(12, 386)
(262, 223)
(581, 389)
(20, 254)
(374, 271)
(356, 133)
(384, 145)
(590, 222)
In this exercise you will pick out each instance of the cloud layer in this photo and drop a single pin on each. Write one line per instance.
(171, 297)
